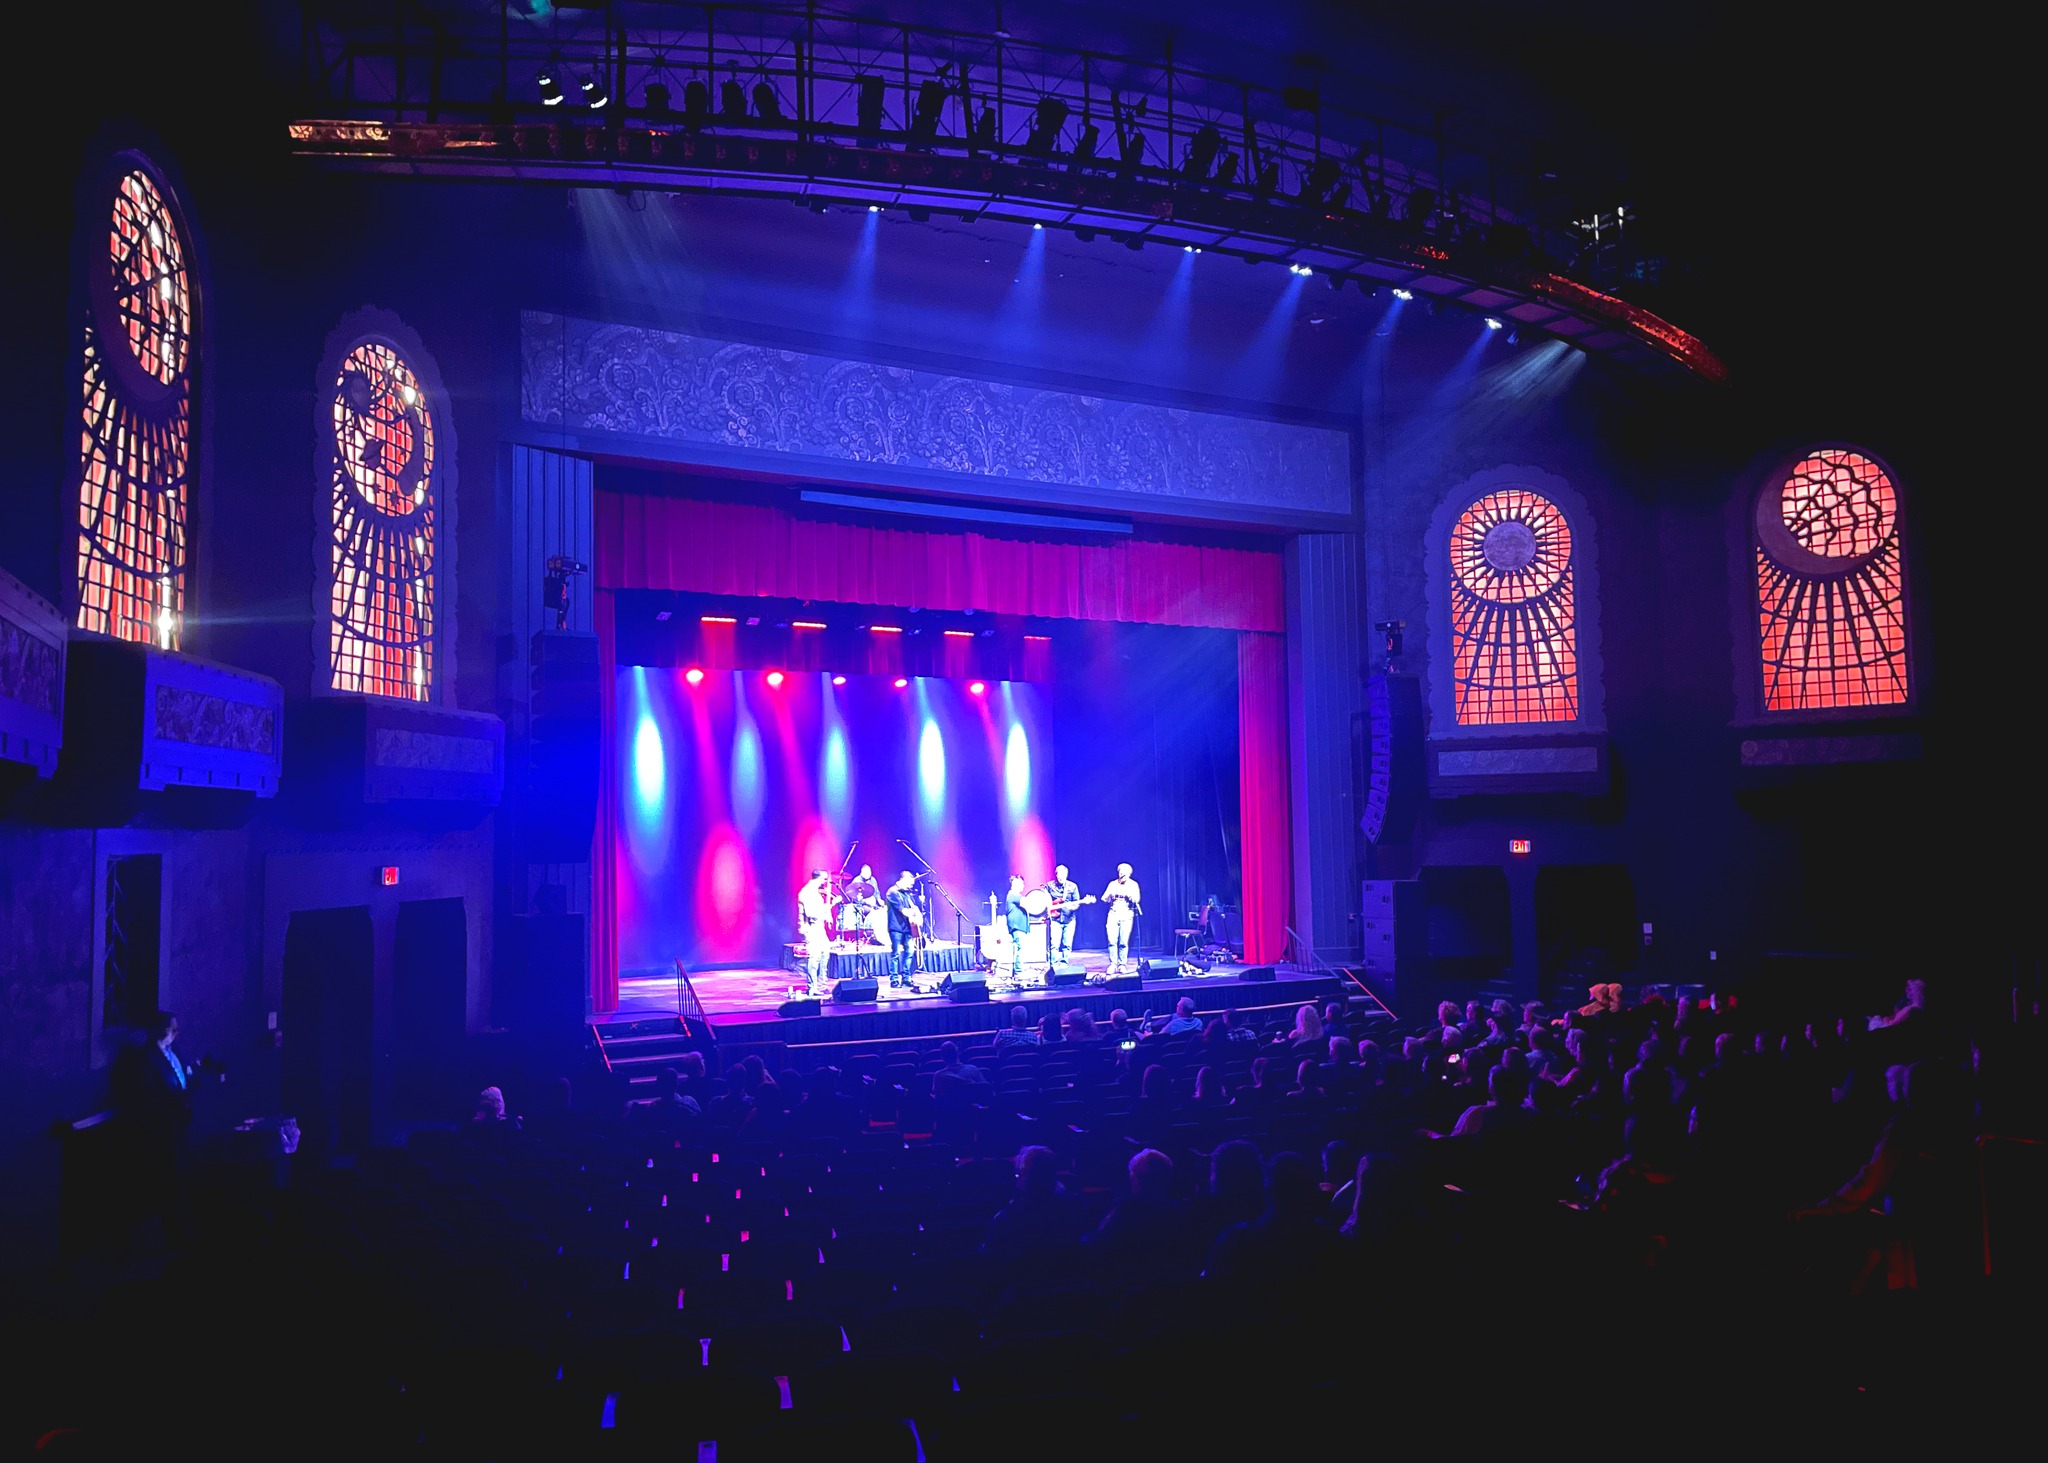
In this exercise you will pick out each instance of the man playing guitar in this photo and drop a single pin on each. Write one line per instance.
(906, 920)
(1066, 898)
(814, 921)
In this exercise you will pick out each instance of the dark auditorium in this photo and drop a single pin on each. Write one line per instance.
(928, 730)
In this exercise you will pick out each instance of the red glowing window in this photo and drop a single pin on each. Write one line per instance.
(1831, 586)
(381, 613)
(1514, 629)
(135, 438)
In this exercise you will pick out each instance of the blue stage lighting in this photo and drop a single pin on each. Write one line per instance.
(650, 766)
(874, 208)
(1401, 294)
(1038, 226)
(1493, 324)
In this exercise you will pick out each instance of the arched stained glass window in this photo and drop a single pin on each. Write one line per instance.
(381, 623)
(135, 445)
(1514, 615)
(1831, 586)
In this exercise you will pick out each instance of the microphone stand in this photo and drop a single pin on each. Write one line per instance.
(959, 919)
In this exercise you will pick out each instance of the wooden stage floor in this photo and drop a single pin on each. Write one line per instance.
(741, 1005)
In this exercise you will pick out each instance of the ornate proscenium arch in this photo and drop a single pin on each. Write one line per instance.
(840, 110)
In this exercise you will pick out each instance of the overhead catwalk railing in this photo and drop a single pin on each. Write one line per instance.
(831, 108)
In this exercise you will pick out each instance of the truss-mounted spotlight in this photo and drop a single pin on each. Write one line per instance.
(1494, 322)
(1514, 337)
(1401, 294)
(1086, 236)
(595, 93)
(550, 87)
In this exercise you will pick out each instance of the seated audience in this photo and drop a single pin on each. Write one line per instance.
(1020, 1031)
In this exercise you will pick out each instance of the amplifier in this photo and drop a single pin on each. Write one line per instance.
(1065, 975)
(969, 985)
(1162, 969)
(801, 1006)
(857, 988)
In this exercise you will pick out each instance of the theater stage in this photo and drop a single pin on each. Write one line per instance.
(740, 1006)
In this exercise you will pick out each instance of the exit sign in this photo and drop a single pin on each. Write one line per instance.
(1518, 845)
(388, 876)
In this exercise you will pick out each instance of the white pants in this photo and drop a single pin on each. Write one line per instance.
(1120, 921)
(817, 953)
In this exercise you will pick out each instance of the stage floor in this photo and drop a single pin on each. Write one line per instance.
(741, 1005)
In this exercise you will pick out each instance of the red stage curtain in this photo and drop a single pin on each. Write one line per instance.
(604, 843)
(1262, 794)
(711, 547)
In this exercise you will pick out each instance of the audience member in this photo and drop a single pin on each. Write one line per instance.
(1019, 1032)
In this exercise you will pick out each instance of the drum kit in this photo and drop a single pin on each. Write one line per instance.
(860, 915)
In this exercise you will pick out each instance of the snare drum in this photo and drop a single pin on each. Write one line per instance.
(1037, 903)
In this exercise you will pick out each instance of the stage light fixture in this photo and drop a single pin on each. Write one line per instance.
(874, 208)
(839, 680)
(550, 88)
(1514, 337)
(901, 682)
(976, 688)
(885, 629)
(958, 634)
(595, 93)
(694, 675)
(1038, 226)
(662, 616)
(1401, 294)
(775, 680)
(1493, 323)
(1086, 236)
(1306, 271)
(806, 624)
(717, 620)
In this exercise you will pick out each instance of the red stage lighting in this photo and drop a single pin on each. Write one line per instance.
(839, 680)
(775, 680)
(975, 688)
(694, 676)
(901, 683)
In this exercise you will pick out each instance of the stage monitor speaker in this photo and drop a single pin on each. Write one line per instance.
(1124, 983)
(1157, 969)
(967, 986)
(801, 1006)
(1065, 975)
(858, 988)
(1257, 972)
(1393, 758)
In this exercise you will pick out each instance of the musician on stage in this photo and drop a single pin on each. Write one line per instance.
(864, 891)
(1018, 917)
(1126, 903)
(814, 919)
(904, 919)
(1066, 902)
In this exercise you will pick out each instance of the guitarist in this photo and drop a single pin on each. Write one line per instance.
(1066, 900)
(905, 920)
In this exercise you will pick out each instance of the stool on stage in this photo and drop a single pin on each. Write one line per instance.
(1185, 938)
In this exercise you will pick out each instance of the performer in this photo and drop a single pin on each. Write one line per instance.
(864, 891)
(905, 918)
(1066, 902)
(1125, 905)
(1019, 920)
(814, 919)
